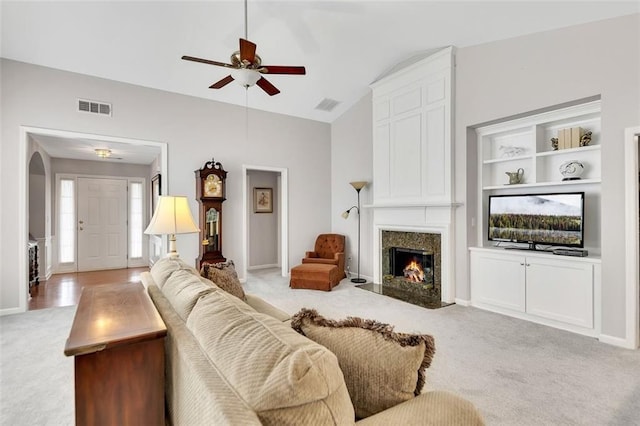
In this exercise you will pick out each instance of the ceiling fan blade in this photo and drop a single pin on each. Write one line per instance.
(221, 83)
(267, 87)
(247, 50)
(280, 69)
(207, 61)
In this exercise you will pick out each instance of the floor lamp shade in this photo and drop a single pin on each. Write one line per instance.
(172, 217)
(358, 185)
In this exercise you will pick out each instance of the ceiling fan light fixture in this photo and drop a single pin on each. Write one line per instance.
(103, 152)
(246, 77)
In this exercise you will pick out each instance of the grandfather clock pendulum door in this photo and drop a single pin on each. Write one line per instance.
(210, 192)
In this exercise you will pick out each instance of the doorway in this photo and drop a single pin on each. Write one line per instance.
(632, 246)
(281, 207)
(26, 133)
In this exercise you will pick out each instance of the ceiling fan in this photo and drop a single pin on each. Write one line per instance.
(247, 66)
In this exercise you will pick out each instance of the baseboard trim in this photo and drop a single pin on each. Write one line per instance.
(11, 311)
(462, 302)
(617, 341)
(255, 268)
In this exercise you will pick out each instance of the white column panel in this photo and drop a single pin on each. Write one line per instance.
(435, 166)
(381, 155)
(406, 155)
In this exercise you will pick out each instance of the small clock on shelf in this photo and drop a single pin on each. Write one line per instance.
(210, 192)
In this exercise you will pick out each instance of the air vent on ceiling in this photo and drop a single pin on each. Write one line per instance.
(94, 107)
(327, 104)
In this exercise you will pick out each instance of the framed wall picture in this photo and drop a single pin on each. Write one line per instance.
(156, 192)
(262, 200)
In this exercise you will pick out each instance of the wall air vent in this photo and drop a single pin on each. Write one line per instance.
(327, 104)
(94, 107)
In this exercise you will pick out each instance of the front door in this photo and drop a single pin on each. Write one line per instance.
(102, 224)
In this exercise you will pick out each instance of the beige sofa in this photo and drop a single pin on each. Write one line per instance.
(235, 362)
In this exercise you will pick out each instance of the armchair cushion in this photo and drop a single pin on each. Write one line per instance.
(382, 368)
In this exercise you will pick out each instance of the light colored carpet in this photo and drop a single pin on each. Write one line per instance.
(36, 378)
(514, 371)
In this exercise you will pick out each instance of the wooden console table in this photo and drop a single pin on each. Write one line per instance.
(117, 339)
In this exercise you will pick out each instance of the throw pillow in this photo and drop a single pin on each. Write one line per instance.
(382, 368)
(224, 275)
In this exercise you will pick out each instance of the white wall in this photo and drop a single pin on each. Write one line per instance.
(515, 76)
(352, 160)
(195, 130)
(538, 71)
(263, 227)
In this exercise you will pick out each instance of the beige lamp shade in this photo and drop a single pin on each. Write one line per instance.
(358, 185)
(172, 217)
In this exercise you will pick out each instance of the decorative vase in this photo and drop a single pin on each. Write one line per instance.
(571, 170)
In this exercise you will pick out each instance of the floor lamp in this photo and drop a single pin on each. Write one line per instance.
(357, 186)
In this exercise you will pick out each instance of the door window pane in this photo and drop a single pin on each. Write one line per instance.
(67, 246)
(135, 221)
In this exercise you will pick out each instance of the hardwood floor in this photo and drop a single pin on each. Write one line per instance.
(65, 289)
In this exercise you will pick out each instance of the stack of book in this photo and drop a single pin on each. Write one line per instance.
(570, 138)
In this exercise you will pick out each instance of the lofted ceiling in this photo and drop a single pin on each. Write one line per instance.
(345, 45)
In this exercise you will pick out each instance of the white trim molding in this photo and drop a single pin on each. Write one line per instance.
(23, 179)
(283, 195)
(632, 273)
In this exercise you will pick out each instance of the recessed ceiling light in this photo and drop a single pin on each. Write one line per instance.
(103, 152)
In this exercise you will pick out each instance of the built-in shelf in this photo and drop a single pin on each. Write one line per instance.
(569, 151)
(404, 205)
(504, 160)
(559, 291)
(539, 184)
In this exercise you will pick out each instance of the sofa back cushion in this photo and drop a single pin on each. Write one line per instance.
(195, 394)
(163, 268)
(183, 289)
(285, 377)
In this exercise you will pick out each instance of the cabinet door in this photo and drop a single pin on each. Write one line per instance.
(498, 280)
(560, 290)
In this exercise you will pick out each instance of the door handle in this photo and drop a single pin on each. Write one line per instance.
(81, 228)
(81, 222)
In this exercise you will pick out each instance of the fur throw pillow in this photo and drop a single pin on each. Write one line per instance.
(381, 368)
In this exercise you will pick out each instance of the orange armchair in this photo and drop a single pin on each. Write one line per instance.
(329, 250)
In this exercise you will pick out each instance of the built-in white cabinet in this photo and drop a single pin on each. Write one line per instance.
(558, 291)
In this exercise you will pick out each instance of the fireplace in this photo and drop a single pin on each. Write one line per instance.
(411, 268)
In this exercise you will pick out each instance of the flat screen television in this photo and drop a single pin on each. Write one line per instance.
(545, 219)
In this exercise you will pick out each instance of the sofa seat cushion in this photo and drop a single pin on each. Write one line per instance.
(163, 268)
(434, 408)
(382, 368)
(285, 377)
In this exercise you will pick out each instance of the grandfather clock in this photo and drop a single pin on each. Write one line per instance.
(210, 192)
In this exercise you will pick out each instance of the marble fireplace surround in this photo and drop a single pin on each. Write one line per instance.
(422, 219)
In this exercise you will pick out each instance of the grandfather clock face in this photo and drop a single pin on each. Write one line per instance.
(212, 186)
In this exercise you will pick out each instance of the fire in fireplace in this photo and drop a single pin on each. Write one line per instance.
(413, 265)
